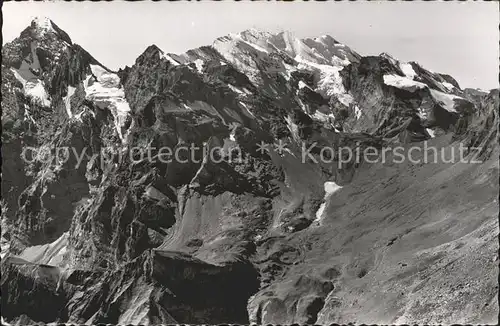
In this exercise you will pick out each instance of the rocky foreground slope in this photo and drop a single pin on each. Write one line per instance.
(96, 231)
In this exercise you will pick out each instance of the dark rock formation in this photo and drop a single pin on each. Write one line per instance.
(220, 230)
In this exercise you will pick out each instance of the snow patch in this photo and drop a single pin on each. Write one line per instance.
(295, 47)
(106, 78)
(336, 61)
(430, 132)
(256, 47)
(320, 212)
(78, 116)
(35, 90)
(228, 48)
(49, 254)
(238, 37)
(330, 188)
(330, 118)
(153, 193)
(97, 71)
(4, 243)
(389, 57)
(33, 86)
(187, 107)
(136, 311)
(288, 71)
(302, 106)
(403, 82)
(29, 66)
(408, 70)
(200, 169)
(232, 135)
(235, 89)
(27, 115)
(422, 114)
(105, 90)
(256, 38)
(18, 76)
(345, 99)
(302, 85)
(330, 82)
(67, 100)
(247, 109)
(294, 129)
(357, 111)
(482, 90)
(446, 100)
(199, 65)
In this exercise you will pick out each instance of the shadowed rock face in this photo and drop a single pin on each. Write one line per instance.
(113, 235)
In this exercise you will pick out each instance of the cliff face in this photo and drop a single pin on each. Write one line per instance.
(98, 228)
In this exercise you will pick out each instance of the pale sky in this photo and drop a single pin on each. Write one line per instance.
(457, 38)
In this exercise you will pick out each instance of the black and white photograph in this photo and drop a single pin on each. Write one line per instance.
(249, 162)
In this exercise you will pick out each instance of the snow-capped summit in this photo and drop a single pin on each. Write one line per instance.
(255, 33)
(293, 46)
(44, 28)
(42, 23)
(327, 40)
(333, 51)
(386, 55)
(256, 37)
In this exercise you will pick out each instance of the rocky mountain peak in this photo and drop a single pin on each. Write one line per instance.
(43, 40)
(152, 51)
(153, 55)
(43, 28)
(42, 24)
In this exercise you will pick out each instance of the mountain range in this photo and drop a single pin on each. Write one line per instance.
(104, 234)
